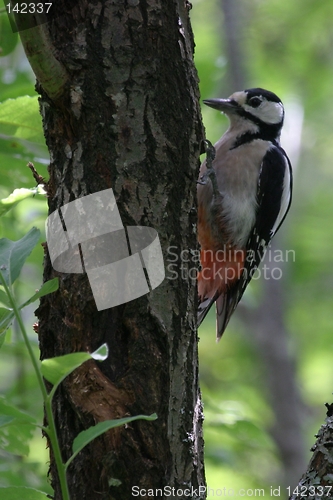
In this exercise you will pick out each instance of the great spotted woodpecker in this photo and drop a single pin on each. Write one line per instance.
(244, 194)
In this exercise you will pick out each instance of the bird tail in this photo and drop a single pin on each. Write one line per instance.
(225, 305)
(222, 317)
(219, 281)
(204, 307)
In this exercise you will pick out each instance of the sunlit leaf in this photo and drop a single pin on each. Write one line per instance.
(85, 437)
(14, 157)
(56, 369)
(20, 118)
(18, 195)
(14, 253)
(21, 493)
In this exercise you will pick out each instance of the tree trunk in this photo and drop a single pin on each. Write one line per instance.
(124, 114)
(317, 481)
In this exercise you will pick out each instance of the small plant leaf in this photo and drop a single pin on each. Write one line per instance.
(85, 437)
(11, 411)
(5, 420)
(2, 338)
(21, 493)
(4, 298)
(56, 369)
(14, 253)
(8, 39)
(6, 317)
(48, 287)
(16, 196)
(20, 118)
(15, 434)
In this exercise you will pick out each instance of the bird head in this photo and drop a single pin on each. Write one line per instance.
(261, 109)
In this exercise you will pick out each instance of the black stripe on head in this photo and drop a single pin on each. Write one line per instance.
(267, 131)
(270, 96)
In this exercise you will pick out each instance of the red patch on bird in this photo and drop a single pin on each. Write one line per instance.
(219, 269)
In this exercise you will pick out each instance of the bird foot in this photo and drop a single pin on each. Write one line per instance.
(210, 172)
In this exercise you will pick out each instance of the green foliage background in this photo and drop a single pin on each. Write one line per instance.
(287, 48)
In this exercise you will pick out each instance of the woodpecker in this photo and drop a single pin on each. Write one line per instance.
(244, 193)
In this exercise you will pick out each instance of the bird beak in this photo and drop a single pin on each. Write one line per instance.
(223, 105)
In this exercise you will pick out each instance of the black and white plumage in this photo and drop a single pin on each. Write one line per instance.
(252, 197)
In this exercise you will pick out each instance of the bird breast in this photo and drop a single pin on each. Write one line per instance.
(237, 172)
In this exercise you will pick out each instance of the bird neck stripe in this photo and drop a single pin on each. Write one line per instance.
(271, 130)
(250, 136)
(257, 121)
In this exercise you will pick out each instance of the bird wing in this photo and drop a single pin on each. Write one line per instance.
(274, 192)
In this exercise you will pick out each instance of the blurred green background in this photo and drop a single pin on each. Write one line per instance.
(265, 384)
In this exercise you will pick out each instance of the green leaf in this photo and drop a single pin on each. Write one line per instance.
(8, 39)
(16, 196)
(20, 118)
(16, 435)
(5, 420)
(85, 437)
(14, 147)
(2, 338)
(4, 298)
(56, 369)
(48, 287)
(14, 253)
(6, 317)
(11, 411)
(21, 493)
(14, 156)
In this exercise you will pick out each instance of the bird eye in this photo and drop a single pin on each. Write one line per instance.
(255, 102)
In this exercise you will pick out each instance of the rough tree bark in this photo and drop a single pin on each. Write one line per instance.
(121, 111)
(317, 482)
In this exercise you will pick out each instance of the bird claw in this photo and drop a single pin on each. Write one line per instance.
(210, 152)
(210, 172)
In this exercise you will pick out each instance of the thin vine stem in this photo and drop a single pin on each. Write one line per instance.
(51, 428)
